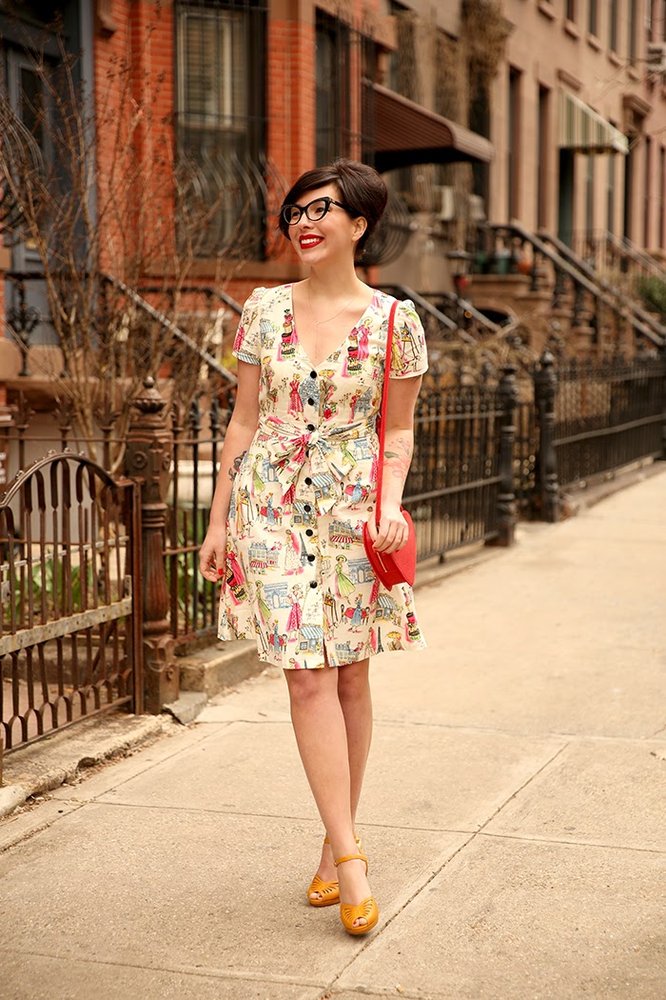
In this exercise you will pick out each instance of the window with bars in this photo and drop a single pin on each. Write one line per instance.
(332, 82)
(220, 116)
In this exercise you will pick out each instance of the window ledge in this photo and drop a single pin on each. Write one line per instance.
(571, 29)
(594, 42)
(633, 73)
(546, 8)
(614, 58)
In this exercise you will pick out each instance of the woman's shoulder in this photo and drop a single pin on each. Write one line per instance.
(267, 295)
(405, 307)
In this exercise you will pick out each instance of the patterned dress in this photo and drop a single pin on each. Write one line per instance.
(297, 577)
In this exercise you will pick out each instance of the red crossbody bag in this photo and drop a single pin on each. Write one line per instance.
(393, 567)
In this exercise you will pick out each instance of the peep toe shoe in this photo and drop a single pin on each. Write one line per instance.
(367, 909)
(329, 892)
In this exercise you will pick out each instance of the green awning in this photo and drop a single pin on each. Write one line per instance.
(583, 129)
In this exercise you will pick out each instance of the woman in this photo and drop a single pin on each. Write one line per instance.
(328, 334)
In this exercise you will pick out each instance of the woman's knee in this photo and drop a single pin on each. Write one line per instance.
(353, 680)
(308, 686)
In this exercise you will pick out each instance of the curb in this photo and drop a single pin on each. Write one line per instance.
(46, 765)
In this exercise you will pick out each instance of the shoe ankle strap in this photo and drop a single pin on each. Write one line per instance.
(352, 857)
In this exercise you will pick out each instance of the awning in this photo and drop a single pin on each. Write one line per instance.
(583, 129)
(401, 133)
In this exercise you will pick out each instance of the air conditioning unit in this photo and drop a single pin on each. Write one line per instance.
(656, 57)
(477, 210)
(447, 203)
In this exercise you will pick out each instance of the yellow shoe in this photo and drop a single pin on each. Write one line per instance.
(328, 892)
(367, 909)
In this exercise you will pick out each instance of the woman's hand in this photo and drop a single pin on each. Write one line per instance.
(212, 554)
(393, 532)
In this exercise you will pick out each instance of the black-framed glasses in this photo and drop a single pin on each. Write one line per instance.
(314, 210)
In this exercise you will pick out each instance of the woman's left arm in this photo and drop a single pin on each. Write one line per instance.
(397, 457)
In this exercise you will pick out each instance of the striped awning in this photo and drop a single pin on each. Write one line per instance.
(583, 129)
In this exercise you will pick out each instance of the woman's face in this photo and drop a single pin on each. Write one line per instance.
(330, 239)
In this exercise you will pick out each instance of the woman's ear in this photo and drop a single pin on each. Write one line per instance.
(360, 226)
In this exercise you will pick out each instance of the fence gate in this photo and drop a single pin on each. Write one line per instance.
(70, 642)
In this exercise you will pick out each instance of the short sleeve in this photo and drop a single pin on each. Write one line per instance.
(409, 356)
(247, 343)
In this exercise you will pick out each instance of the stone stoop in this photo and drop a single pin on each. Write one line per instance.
(219, 666)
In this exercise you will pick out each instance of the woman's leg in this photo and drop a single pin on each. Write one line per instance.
(321, 736)
(356, 703)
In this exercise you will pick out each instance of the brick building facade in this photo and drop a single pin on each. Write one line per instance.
(551, 113)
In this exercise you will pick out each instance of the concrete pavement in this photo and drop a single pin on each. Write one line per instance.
(513, 812)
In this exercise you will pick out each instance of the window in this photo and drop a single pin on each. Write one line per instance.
(633, 30)
(220, 116)
(662, 194)
(593, 17)
(514, 143)
(610, 193)
(332, 76)
(589, 198)
(570, 10)
(647, 191)
(613, 25)
(543, 156)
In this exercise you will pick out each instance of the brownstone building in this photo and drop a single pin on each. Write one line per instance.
(546, 114)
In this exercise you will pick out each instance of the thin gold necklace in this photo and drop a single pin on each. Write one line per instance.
(320, 322)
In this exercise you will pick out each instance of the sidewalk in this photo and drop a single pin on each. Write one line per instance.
(513, 813)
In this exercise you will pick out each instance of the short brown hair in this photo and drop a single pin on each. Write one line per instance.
(361, 188)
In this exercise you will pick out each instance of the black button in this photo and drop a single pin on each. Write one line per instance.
(309, 532)
(313, 374)
(311, 427)
(313, 583)
(307, 507)
(311, 558)
(308, 481)
(310, 401)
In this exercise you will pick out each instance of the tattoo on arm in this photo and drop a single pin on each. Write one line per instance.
(235, 465)
(398, 461)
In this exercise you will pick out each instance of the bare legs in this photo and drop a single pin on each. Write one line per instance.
(331, 711)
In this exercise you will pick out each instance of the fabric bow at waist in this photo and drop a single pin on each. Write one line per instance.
(289, 445)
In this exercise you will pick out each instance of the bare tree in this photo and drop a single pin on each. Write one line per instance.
(109, 207)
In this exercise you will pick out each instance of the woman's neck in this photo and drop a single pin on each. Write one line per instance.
(334, 282)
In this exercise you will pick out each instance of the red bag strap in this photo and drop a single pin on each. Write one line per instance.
(382, 412)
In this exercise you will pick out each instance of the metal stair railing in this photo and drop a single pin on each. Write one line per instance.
(516, 232)
(427, 308)
(207, 358)
(624, 301)
(625, 248)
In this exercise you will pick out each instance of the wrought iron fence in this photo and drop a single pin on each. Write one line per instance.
(607, 416)
(69, 645)
(198, 436)
(453, 483)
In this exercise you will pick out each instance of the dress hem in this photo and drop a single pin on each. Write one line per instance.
(278, 662)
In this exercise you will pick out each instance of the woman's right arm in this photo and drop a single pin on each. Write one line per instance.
(240, 431)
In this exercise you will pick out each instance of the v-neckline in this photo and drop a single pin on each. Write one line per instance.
(334, 353)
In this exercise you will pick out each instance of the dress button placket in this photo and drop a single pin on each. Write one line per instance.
(310, 499)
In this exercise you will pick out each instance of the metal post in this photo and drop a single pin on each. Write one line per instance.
(148, 461)
(545, 389)
(506, 498)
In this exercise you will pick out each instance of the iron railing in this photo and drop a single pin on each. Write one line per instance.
(453, 483)
(606, 417)
(69, 646)
(613, 319)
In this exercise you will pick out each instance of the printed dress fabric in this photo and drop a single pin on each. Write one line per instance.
(297, 577)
